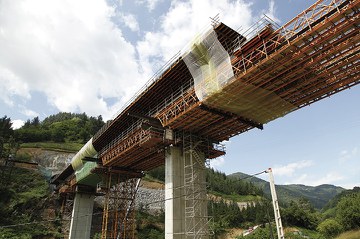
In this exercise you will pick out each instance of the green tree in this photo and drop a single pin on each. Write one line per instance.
(58, 132)
(6, 133)
(35, 122)
(348, 211)
(300, 214)
(330, 228)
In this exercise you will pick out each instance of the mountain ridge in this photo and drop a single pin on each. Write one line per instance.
(318, 196)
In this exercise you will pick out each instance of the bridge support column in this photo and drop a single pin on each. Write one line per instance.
(174, 194)
(81, 216)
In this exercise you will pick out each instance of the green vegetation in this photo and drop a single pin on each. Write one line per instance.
(260, 233)
(301, 214)
(8, 145)
(330, 228)
(348, 211)
(237, 197)
(219, 182)
(149, 225)
(157, 174)
(24, 195)
(355, 234)
(62, 127)
(225, 211)
(62, 147)
(318, 196)
(228, 215)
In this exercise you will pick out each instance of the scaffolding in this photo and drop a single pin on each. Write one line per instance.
(67, 204)
(272, 71)
(254, 78)
(119, 206)
(196, 212)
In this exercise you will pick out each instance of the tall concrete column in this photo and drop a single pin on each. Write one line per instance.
(174, 194)
(81, 216)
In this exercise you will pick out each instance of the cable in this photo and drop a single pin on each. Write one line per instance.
(27, 223)
(92, 214)
(98, 213)
(251, 176)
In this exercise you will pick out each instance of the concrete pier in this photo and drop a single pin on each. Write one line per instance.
(186, 214)
(81, 216)
(174, 194)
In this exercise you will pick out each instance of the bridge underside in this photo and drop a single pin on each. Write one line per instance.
(227, 84)
(276, 71)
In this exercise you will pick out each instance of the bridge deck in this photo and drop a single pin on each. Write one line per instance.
(276, 72)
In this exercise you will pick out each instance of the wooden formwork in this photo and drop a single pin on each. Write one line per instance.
(311, 57)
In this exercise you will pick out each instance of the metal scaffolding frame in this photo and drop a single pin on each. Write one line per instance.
(313, 56)
(119, 206)
(67, 204)
(196, 215)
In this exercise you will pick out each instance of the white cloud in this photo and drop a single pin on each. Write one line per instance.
(346, 155)
(16, 124)
(72, 52)
(69, 50)
(11, 85)
(29, 113)
(130, 21)
(351, 185)
(150, 4)
(329, 178)
(291, 168)
(182, 22)
(218, 162)
(271, 12)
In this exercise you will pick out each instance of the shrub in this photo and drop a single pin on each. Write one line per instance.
(330, 228)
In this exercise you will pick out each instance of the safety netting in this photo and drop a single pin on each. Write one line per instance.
(216, 86)
(209, 65)
(87, 150)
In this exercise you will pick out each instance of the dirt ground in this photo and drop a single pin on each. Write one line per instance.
(152, 185)
(232, 233)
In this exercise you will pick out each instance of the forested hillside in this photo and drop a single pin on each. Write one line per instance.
(225, 194)
(318, 196)
(26, 201)
(62, 127)
(27, 209)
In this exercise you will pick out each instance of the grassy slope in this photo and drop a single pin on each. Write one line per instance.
(237, 197)
(25, 198)
(63, 147)
(350, 235)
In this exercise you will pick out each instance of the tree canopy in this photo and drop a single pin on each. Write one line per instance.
(62, 127)
(7, 142)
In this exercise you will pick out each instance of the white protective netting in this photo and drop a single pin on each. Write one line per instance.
(216, 86)
(209, 64)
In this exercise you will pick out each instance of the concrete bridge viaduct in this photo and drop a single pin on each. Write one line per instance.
(224, 84)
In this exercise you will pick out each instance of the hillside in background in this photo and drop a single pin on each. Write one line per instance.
(318, 196)
(61, 127)
(28, 209)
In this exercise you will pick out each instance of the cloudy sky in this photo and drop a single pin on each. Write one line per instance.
(93, 55)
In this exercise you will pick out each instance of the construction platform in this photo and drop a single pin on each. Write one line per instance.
(274, 71)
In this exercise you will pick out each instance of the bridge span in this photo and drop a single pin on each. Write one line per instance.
(224, 84)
